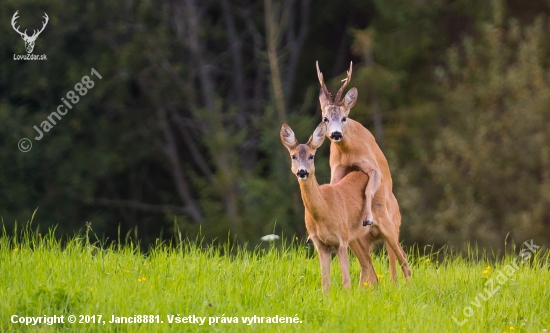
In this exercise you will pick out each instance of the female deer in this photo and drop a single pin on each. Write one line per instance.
(333, 212)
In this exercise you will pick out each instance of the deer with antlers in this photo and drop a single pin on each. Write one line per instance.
(333, 212)
(29, 40)
(353, 148)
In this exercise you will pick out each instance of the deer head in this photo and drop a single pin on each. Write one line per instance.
(302, 155)
(335, 112)
(29, 40)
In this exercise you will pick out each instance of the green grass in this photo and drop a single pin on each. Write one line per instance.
(39, 276)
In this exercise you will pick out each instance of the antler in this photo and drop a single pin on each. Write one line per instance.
(13, 19)
(322, 82)
(346, 81)
(35, 34)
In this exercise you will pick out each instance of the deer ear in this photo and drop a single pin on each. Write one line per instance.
(287, 137)
(350, 98)
(316, 140)
(324, 100)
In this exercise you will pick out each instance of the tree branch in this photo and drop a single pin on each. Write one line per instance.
(192, 40)
(377, 112)
(238, 69)
(296, 46)
(193, 149)
(170, 149)
(273, 32)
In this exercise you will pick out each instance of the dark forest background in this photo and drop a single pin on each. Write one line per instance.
(182, 131)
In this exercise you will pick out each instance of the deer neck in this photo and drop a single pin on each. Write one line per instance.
(346, 145)
(312, 197)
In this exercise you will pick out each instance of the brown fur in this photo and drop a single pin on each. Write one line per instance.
(357, 150)
(365, 154)
(332, 211)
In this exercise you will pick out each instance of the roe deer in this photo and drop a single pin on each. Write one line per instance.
(332, 212)
(353, 147)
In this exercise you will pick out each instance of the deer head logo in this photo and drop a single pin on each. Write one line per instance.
(29, 40)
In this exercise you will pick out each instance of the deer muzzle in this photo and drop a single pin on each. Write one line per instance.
(336, 136)
(302, 174)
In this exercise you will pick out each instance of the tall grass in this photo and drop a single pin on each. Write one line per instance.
(41, 275)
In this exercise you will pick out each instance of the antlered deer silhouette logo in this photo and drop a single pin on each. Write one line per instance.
(29, 40)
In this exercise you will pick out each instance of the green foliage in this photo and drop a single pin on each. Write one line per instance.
(465, 118)
(488, 164)
(184, 125)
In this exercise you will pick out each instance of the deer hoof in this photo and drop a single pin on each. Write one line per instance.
(366, 223)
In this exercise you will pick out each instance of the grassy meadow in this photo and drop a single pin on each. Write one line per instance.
(41, 276)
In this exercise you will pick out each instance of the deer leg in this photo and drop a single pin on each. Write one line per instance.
(324, 260)
(391, 258)
(370, 189)
(393, 211)
(343, 257)
(359, 253)
(406, 270)
(361, 248)
(392, 240)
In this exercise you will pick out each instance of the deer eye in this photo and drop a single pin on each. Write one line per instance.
(344, 119)
(311, 157)
(325, 119)
(293, 157)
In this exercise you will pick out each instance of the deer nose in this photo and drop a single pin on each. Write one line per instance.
(302, 174)
(336, 136)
